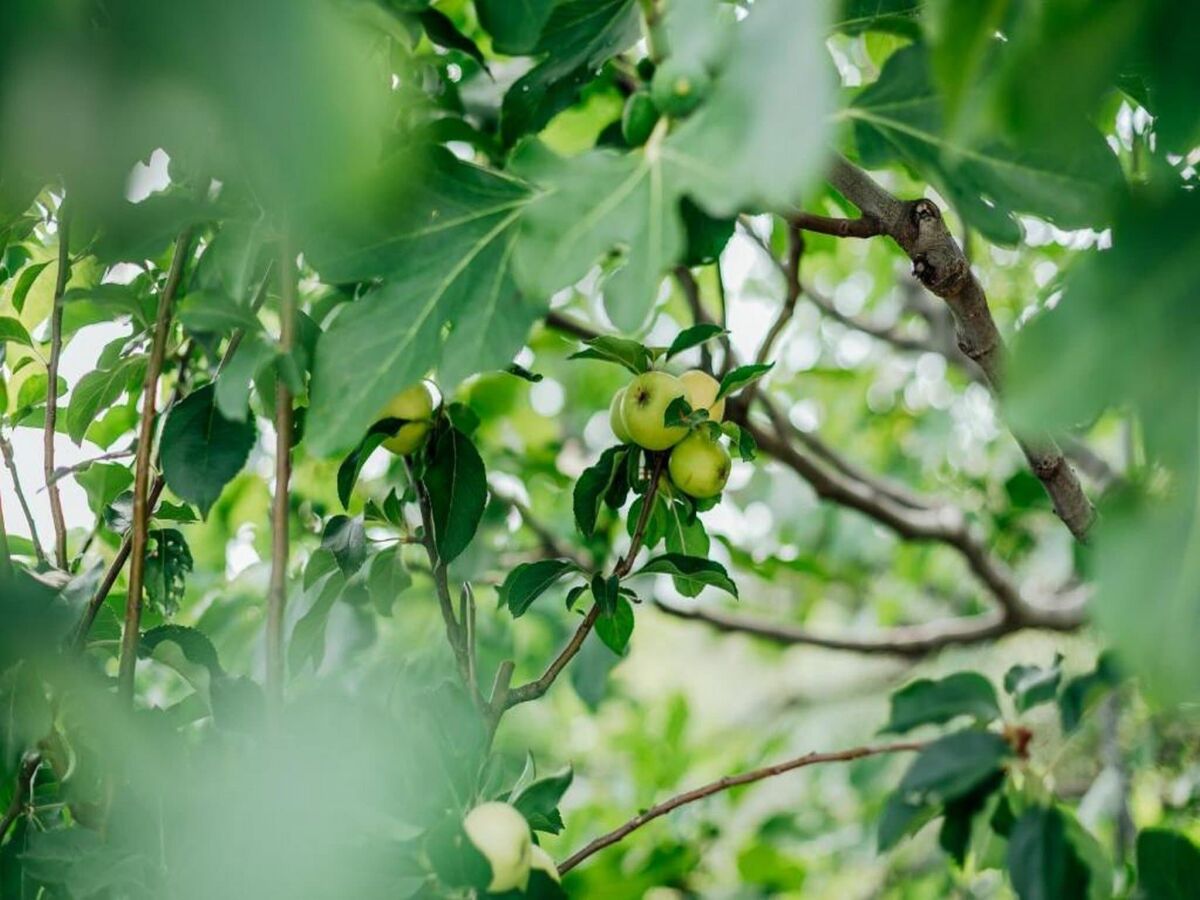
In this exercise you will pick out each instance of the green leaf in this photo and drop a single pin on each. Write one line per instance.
(253, 354)
(445, 255)
(98, 390)
(693, 337)
(1168, 864)
(631, 354)
(25, 714)
(514, 27)
(1030, 686)
(212, 312)
(898, 16)
(738, 378)
(605, 591)
(685, 535)
(444, 33)
(12, 331)
(707, 235)
(348, 471)
(194, 644)
(578, 37)
(201, 451)
(134, 232)
(743, 440)
(691, 570)
(901, 818)
(959, 818)
(1081, 692)
(387, 579)
(103, 483)
(1042, 862)
(592, 485)
(168, 561)
(538, 801)
(616, 627)
(953, 766)
(899, 117)
(528, 581)
(457, 485)
(346, 539)
(25, 282)
(308, 637)
(929, 702)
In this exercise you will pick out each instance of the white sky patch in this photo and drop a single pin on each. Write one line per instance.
(148, 178)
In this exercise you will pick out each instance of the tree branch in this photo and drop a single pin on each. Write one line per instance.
(791, 274)
(141, 476)
(48, 435)
(535, 689)
(11, 465)
(277, 589)
(862, 227)
(938, 263)
(724, 784)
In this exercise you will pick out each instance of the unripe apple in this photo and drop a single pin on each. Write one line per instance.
(501, 834)
(678, 88)
(415, 406)
(541, 860)
(616, 418)
(699, 465)
(644, 407)
(700, 388)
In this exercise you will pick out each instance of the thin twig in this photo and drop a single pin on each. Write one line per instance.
(791, 271)
(535, 689)
(48, 430)
(63, 471)
(21, 793)
(11, 465)
(862, 227)
(724, 784)
(141, 476)
(277, 591)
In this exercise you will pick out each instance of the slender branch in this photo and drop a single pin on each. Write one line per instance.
(691, 293)
(791, 272)
(141, 475)
(21, 793)
(5, 554)
(11, 465)
(277, 591)
(724, 784)
(535, 689)
(63, 471)
(862, 227)
(939, 264)
(48, 434)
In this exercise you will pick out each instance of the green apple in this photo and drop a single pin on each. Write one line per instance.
(677, 88)
(700, 388)
(415, 406)
(616, 418)
(644, 408)
(501, 834)
(699, 465)
(541, 861)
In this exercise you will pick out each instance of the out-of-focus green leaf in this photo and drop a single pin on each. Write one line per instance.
(1168, 865)
(930, 702)
(514, 27)
(1033, 685)
(1042, 862)
(103, 483)
(622, 351)
(899, 16)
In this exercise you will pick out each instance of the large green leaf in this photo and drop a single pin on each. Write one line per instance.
(457, 485)
(1168, 865)
(692, 569)
(929, 702)
(528, 581)
(1042, 861)
(899, 117)
(514, 25)
(201, 450)
(952, 766)
(899, 16)
(98, 390)
(578, 37)
(103, 483)
(445, 257)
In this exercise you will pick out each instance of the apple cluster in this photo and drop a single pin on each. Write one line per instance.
(501, 834)
(698, 464)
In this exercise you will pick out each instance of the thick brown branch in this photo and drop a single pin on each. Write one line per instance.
(141, 475)
(11, 464)
(939, 264)
(724, 784)
(277, 590)
(48, 435)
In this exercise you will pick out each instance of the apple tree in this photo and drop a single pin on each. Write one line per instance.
(599, 448)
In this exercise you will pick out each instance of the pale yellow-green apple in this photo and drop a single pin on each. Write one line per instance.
(699, 465)
(541, 861)
(616, 418)
(501, 834)
(700, 388)
(415, 406)
(644, 407)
